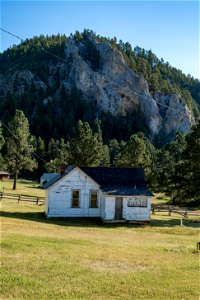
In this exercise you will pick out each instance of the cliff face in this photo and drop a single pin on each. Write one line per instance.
(100, 73)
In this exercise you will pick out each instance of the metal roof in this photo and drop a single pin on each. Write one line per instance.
(48, 176)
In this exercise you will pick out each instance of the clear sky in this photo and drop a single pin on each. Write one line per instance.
(169, 28)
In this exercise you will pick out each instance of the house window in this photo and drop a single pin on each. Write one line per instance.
(93, 199)
(75, 198)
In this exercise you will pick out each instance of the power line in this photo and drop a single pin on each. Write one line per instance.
(12, 34)
(36, 155)
(36, 47)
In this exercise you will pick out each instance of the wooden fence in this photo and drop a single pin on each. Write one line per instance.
(19, 198)
(185, 212)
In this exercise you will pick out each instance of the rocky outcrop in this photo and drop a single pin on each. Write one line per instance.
(105, 79)
(117, 89)
(19, 83)
(176, 116)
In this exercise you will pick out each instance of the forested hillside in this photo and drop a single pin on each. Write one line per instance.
(160, 75)
(86, 100)
(35, 81)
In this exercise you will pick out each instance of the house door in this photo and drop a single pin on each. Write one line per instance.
(118, 208)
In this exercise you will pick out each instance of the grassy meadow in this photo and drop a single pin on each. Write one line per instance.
(82, 259)
(24, 188)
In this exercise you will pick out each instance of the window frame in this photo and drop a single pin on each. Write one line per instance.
(72, 198)
(90, 200)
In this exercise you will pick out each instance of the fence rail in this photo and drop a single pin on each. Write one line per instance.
(19, 198)
(185, 212)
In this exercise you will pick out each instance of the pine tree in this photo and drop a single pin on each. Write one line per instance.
(114, 149)
(134, 153)
(186, 179)
(19, 146)
(86, 147)
(2, 141)
(39, 146)
(164, 163)
(105, 157)
(62, 157)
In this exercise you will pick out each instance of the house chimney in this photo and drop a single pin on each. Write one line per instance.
(62, 168)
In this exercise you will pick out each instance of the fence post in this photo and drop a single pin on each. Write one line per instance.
(170, 211)
(185, 214)
(19, 198)
(153, 210)
(1, 195)
(37, 200)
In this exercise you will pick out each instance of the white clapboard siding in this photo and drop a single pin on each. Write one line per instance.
(109, 208)
(136, 213)
(60, 196)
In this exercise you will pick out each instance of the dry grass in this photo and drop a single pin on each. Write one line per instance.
(24, 187)
(82, 259)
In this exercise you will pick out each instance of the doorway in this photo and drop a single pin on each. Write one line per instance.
(118, 208)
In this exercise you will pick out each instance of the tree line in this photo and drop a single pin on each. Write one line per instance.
(174, 169)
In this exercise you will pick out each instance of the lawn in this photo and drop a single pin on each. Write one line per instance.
(81, 259)
(24, 188)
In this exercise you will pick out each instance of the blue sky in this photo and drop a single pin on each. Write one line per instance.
(169, 28)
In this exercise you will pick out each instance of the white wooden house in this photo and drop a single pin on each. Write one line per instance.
(113, 194)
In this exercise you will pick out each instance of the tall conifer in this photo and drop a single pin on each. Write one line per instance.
(19, 146)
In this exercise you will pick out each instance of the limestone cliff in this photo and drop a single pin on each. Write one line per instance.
(103, 78)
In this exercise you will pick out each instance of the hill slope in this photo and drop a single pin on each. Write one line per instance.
(129, 90)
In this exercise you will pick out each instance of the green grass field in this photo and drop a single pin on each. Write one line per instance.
(24, 188)
(81, 259)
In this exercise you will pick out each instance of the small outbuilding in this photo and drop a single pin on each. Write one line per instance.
(47, 177)
(113, 194)
(4, 176)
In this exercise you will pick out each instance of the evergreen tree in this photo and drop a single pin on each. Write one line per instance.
(114, 148)
(134, 153)
(86, 147)
(19, 146)
(164, 162)
(62, 157)
(186, 178)
(2, 141)
(39, 146)
(105, 157)
(53, 149)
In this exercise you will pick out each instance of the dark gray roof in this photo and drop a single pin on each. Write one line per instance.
(52, 181)
(48, 176)
(116, 176)
(126, 191)
(119, 181)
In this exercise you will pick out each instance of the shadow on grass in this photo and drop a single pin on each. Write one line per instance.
(92, 222)
(174, 222)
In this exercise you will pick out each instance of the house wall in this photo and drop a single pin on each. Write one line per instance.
(102, 205)
(128, 213)
(4, 177)
(59, 197)
(109, 208)
(136, 213)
